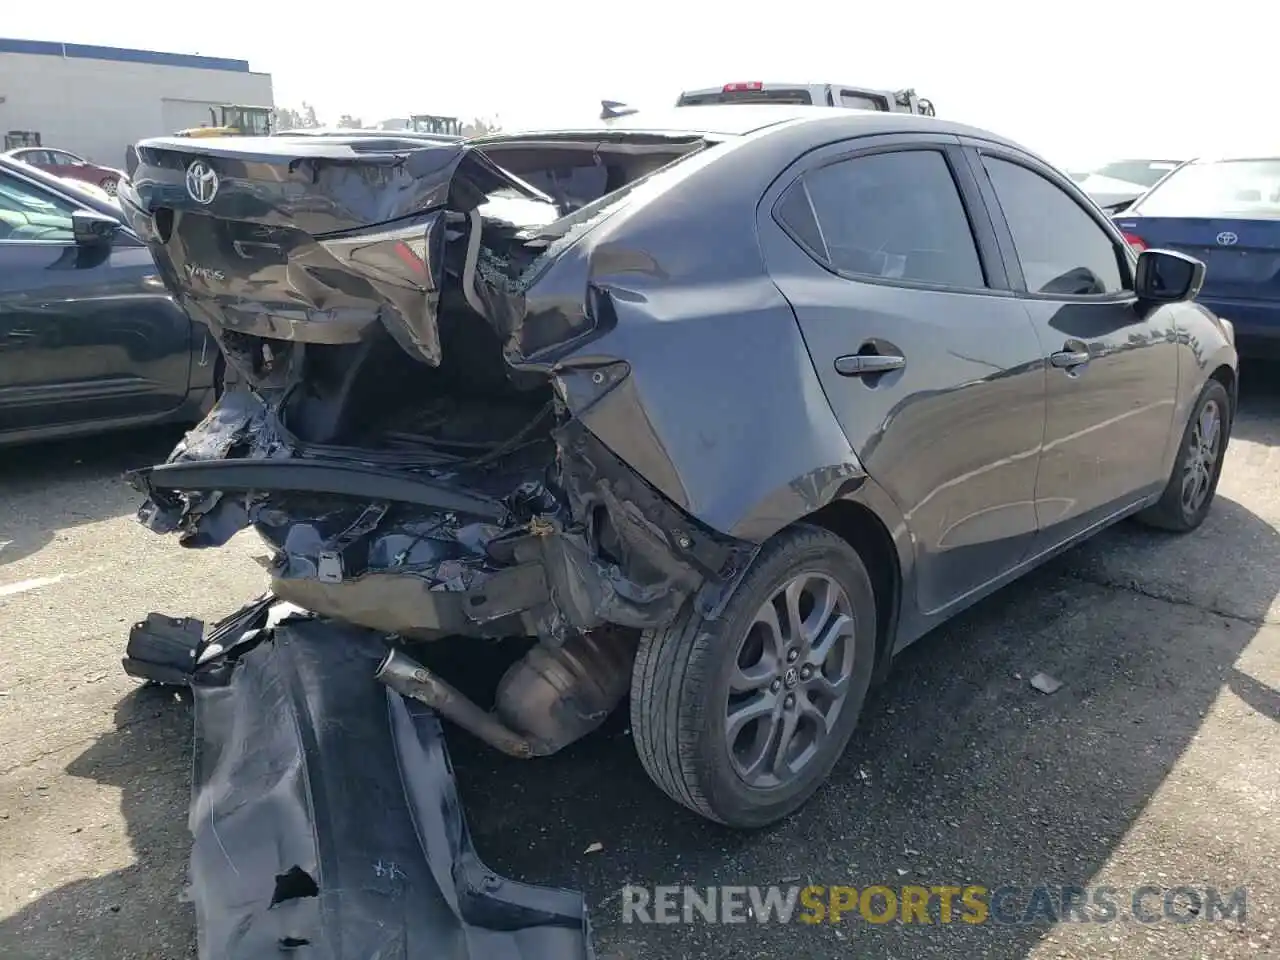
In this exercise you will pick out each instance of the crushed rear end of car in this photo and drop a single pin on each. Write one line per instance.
(407, 333)
(402, 426)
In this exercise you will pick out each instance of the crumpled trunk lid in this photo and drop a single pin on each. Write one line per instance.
(305, 240)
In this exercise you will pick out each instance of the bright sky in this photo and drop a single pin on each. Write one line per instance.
(1081, 82)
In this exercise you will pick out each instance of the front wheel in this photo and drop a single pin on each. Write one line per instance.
(740, 719)
(1191, 488)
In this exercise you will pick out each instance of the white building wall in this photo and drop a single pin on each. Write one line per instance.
(96, 107)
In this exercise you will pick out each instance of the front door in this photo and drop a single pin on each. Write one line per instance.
(86, 332)
(1113, 363)
(931, 366)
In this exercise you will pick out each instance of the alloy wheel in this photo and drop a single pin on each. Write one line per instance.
(790, 680)
(1204, 446)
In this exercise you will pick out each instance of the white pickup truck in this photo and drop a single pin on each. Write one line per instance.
(813, 94)
(808, 94)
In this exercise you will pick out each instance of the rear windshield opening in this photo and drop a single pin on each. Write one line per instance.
(578, 176)
(1228, 188)
(746, 96)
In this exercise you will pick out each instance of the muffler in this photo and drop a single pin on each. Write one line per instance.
(409, 678)
(546, 700)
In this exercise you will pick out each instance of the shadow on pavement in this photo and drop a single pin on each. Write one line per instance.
(48, 487)
(960, 773)
(1259, 418)
(134, 913)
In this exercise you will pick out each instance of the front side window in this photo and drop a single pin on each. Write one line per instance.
(1062, 250)
(1227, 188)
(891, 216)
(27, 214)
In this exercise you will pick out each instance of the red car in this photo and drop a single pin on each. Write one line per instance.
(59, 163)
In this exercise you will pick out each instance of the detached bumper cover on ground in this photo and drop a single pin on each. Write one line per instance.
(327, 825)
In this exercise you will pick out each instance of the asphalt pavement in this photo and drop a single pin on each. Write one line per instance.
(1156, 763)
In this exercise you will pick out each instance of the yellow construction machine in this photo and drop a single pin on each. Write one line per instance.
(233, 120)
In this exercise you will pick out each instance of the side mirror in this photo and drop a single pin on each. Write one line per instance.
(93, 229)
(1167, 276)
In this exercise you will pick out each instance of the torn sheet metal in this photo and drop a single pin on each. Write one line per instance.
(327, 824)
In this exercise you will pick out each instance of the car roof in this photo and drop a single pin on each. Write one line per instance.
(733, 120)
(1233, 157)
(726, 119)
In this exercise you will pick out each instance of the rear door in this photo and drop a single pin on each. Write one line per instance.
(1113, 363)
(86, 333)
(930, 364)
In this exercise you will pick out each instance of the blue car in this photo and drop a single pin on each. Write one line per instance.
(1226, 213)
(90, 339)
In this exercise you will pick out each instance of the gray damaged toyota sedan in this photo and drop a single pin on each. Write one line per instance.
(720, 408)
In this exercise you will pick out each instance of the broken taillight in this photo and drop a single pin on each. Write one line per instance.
(741, 87)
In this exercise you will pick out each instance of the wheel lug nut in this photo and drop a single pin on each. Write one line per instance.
(806, 672)
(775, 686)
(790, 701)
(791, 656)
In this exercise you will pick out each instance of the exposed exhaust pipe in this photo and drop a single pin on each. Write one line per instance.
(546, 700)
(409, 678)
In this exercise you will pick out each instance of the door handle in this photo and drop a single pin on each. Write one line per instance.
(868, 364)
(1067, 359)
(20, 334)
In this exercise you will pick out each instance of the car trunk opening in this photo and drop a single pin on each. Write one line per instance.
(1241, 257)
(384, 431)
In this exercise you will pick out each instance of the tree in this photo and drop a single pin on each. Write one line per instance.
(286, 118)
(481, 126)
(347, 121)
(283, 118)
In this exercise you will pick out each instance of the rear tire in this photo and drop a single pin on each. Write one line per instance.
(1194, 481)
(794, 650)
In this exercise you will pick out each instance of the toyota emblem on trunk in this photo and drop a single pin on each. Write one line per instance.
(202, 182)
(1227, 239)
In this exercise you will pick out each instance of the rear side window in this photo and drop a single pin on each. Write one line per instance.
(797, 96)
(891, 216)
(1061, 249)
(862, 101)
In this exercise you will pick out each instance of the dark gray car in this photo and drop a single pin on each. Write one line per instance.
(90, 339)
(724, 408)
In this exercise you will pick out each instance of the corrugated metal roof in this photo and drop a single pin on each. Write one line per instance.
(83, 51)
